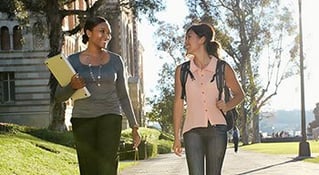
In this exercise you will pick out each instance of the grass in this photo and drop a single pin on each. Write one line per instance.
(285, 148)
(25, 154)
(27, 151)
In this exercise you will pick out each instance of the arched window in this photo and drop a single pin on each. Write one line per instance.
(5, 38)
(17, 38)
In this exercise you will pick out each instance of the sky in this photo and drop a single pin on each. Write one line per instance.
(288, 96)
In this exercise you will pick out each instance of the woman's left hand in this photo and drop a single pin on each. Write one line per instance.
(136, 138)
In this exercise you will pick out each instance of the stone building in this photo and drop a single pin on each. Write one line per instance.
(24, 94)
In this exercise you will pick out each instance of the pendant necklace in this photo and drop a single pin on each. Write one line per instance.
(96, 80)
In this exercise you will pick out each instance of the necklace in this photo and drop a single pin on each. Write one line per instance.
(96, 80)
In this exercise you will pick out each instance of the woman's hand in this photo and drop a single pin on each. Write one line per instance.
(136, 137)
(77, 82)
(221, 105)
(177, 147)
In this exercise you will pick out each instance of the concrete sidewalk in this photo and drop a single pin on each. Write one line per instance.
(245, 162)
(241, 163)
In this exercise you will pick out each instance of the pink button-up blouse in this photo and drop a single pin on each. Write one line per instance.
(202, 96)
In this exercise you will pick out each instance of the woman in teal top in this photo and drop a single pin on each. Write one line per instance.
(97, 120)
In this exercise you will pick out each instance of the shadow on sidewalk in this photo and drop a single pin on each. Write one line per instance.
(274, 165)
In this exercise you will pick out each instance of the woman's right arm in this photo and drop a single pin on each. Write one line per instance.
(177, 112)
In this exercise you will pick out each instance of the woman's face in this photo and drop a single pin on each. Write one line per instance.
(192, 42)
(100, 35)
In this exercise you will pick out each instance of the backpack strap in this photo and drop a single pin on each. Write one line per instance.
(221, 83)
(220, 77)
(183, 77)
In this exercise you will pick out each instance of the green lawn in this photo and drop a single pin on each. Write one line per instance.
(24, 154)
(285, 148)
(25, 151)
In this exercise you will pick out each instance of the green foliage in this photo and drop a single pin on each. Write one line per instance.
(147, 8)
(162, 112)
(147, 134)
(164, 146)
(162, 104)
(61, 138)
(151, 150)
(144, 151)
(153, 142)
(6, 128)
(165, 143)
(170, 40)
(147, 148)
(166, 136)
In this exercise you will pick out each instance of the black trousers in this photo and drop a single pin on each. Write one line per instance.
(97, 142)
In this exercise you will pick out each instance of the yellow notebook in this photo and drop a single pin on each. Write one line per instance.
(63, 71)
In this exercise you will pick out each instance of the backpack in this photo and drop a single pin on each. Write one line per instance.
(230, 115)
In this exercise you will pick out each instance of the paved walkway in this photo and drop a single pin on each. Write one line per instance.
(241, 163)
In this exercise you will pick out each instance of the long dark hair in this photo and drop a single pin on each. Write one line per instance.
(206, 30)
(90, 23)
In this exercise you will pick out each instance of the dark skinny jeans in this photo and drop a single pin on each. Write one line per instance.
(209, 143)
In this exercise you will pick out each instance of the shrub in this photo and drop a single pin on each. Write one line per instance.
(164, 146)
(166, 136)
(153, 142)
(147, 148)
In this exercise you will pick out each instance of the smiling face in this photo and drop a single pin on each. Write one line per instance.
(100, 35)
(192, 42)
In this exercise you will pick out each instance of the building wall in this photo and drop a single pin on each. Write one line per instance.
(30, 105)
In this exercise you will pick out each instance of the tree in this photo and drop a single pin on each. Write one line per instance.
(162, 104)
(170, 42)
(54, 11)
(252, 28)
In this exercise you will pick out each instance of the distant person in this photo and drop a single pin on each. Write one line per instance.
(236, 136)
(316, 112)
(97, 120)
(315, 125)
(315, 133)
(204, 130)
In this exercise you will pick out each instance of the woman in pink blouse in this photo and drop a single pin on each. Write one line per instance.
(204, 129)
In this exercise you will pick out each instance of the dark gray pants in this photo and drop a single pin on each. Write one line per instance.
(205, 145)
(97, 141)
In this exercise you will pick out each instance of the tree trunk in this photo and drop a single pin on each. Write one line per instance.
(244, 112)
(54, 21)
(256, 134)
(57, 111)
(244, 127)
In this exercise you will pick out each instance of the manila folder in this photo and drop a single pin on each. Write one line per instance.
(63, 71)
